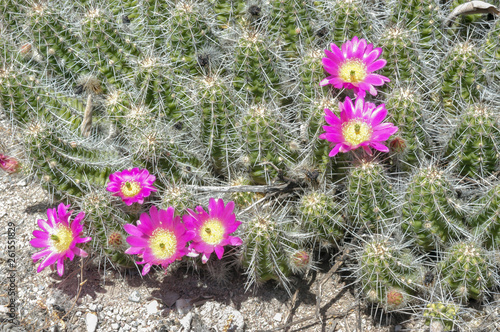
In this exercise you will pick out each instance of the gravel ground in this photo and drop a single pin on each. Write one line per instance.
(90, 297)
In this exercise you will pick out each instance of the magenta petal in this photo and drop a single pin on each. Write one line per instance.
(368, 150)
(379, 146)
(83, 239)
(335, 150)
(134, 250)
(60, 267)
(70, 254)
(335, 54)
(324, 82)
(146, 269)
(235, 241)
(49, 260)
(219, 251)
(344, 148)
(132, 230)
(372, 55)
(335, 137)
(378, 115)
(41, 235)
(79, 252)
(360, 92)
(374, 79)
(39, 243)
(379, 64)
(135, 241)
(40, 254)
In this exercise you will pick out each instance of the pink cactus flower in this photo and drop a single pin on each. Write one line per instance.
(212, 229)
(131, 185)
(59, 238)
(8, 164)
(160, 238)
(360, 125)
(352, 67)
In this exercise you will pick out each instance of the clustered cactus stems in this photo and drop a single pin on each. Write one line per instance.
(463, 77)
(431, 211)
(270, 247)
(232, 95)
(467, 270)
(441, 315)
(411, 141)
(486, 221)
(475, 144)
(388, 273)
(418, 16)
(370, 204)
(320, 215)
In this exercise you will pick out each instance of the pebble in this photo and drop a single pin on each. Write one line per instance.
(183, 306)
(278, 317)
(152, 307)
(135, 296)
(115, 326)
(186, 321)
(99, 307)
(78, 313)
(224, 316)
(92, 307)
(91, 322)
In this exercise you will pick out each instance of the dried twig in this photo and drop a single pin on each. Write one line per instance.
(316, 315)
(340, 314)
(472, 7)
(330, 273)
(87, 118)
(284, 187)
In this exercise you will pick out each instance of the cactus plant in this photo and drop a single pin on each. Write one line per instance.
(227, 95)
(467, 270)
(431, 212)
(388, 273)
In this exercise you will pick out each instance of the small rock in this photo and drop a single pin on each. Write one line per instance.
(92, 307)
(152, 307)
(186, 321)
(115, 326)
(398, 328)
(91, 322)
(169, 298)
(278, 317)
(224, 317)
(126, 327)
(99, 308)
(183, 306)
(21, 183)
(135, 296)
(78, 313)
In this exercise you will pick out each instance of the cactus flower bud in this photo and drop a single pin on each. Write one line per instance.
(9, 164)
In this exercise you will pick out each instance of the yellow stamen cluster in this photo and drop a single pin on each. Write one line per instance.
(163, 243)
(353, 71)
(130, 188)
(61, 239)
(356, 131)
(212, 231)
